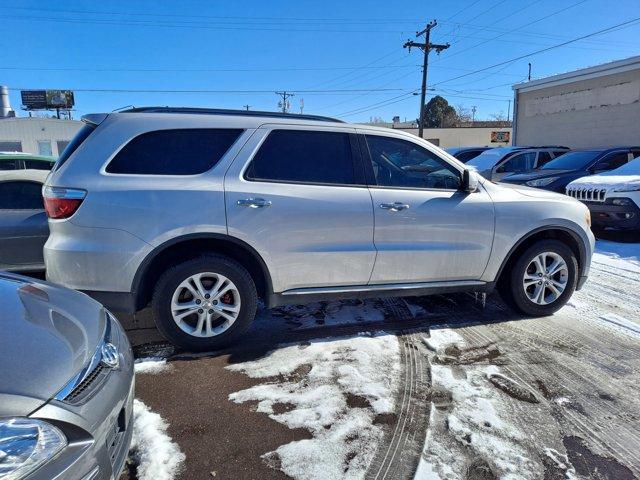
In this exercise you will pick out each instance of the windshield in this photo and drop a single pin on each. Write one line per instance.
(572, 160)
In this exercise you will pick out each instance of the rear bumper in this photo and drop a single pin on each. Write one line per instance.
(93, 259)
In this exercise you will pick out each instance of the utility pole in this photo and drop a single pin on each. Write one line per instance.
(284, 103)
(473, 114)
(509, 111)
(426, 47)
(246, 107)
(529, 76)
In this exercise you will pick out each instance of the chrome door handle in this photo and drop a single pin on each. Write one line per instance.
(254, 202)
(394, 207)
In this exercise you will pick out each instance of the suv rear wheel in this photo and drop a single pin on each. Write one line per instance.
(204, 303)
(542, 279)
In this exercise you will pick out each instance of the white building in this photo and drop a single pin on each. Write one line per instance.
(40, 136)
(592, 107)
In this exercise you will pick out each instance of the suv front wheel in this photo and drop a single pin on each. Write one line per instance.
(542, 279)
(204, 303)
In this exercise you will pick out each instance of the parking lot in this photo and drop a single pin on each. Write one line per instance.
(451, 386)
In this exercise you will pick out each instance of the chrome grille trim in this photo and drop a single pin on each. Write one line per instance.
(84, 384)
(587, 194)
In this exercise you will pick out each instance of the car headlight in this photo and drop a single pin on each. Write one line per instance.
(25, 444)
(629, 187)
(541, 182)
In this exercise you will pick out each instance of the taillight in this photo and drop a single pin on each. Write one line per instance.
(62, 202)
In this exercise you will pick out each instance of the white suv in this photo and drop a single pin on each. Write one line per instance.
(613, 197)
(200, 212)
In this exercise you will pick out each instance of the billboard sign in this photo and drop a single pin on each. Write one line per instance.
(500, 137)
(47, 99)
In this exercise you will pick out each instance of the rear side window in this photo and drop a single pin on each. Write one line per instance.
(37, 165)
(73, 145)
(174, 152)
(21, 195)
(302, 156)
(8, 164)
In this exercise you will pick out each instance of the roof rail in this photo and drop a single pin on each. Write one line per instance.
(222, 111)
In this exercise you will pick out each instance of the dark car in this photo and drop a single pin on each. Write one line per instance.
(23, 221)
(464, 154)
(558, 173)
(496, 163)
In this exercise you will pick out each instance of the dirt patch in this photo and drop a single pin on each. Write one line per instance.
(592, 465)
(357, 401)
(479, 469)
(512, 388)
(454, 355)
(441, 399)
(280, 408)
(385, 419)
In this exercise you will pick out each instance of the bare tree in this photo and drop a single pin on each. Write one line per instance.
(498, 117)
(464, 114)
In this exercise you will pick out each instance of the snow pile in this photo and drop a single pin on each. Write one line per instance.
(624, 256)
(468, 422)
(151, 365)
(334, 389)
(152, 451)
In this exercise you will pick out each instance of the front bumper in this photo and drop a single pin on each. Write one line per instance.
(616, 216)
(98, 430)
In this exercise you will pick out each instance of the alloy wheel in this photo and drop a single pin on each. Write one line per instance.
(545, 278)
(205, 304)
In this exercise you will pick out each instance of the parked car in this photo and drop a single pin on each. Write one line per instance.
(200, 212)
(497, 163)
(557, 174)
(23, 222)
(613, 197)
(21, 161)
(66, 384)
(464, 154)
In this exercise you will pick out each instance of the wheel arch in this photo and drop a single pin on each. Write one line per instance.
(571, 238)
(191, 246)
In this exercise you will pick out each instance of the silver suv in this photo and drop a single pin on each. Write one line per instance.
(202, 212)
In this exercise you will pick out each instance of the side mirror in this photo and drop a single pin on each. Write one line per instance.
(469, 181)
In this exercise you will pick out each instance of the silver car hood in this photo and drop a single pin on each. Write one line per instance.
(533, 192)
(47, 335)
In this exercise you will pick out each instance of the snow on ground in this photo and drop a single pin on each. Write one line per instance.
(151, 365)
(334, 389)
(468, 415)
(156, 456)
(618, 255)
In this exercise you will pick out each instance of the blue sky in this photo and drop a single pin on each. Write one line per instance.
(240, 52)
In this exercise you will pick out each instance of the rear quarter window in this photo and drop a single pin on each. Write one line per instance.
(174, 152)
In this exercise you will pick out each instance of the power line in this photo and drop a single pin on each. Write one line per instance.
(458, 52)
(135, 90)
(186, 69)
(222, 17)
(190, 25)
(542, 50)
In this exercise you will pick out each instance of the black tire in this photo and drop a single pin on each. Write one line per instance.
(512, 289)
(173, 277)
